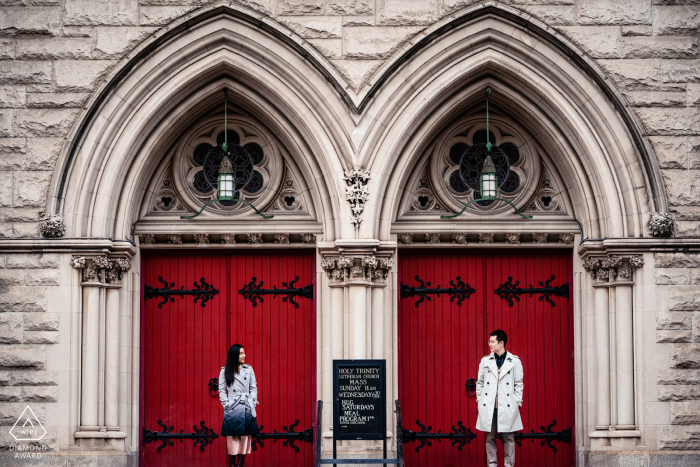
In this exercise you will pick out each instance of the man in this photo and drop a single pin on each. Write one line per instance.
(499, 393)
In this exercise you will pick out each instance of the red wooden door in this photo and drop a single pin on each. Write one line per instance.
(441, 345)
(185, 345)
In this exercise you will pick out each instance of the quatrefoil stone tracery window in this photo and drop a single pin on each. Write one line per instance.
(256, 159)
(455, 166)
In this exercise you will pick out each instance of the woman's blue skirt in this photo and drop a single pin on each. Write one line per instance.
(239, 421)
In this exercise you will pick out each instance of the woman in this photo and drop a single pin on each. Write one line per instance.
(240, 425)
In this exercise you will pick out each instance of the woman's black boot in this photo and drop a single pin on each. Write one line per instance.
(241, 459)
(232, 461)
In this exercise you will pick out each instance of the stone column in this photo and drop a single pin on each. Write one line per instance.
(90, 370)
(111, 345)
(624, 340)
(602, 344)
(99, 420)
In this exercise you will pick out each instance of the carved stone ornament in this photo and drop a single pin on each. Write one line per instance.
(89, 275)
(174, 239)
(102, 262)
(112, 276)
(228, 238)
(567, 238)
(513, 238)
(201, 239)
(345, 263)
(356, 192)
(602, 274)
(254, 238)
(661, 225)
(485, 238)
(52, 226)
(357, 272)
(282, 239)
(77, 262)
(625, 272)
(612, 273)
(122, 265)
(147, 239)
(459, 238)
(432, 239)
(329, 266)
(637, 261)
(591, 264)
(539, 237)
(308, 239)
(405, 238)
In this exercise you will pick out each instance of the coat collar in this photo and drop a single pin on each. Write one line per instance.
(239, 376)
(507, 365)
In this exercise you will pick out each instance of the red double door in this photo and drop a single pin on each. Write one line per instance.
(185, 345)
(442, 343)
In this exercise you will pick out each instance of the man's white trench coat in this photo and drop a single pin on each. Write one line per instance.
(510, 393)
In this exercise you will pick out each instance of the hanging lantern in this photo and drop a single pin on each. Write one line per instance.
(226, 183)
(226, 180)
(488, 180)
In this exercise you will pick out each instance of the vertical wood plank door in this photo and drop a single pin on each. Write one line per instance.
(186, 345)
(441, 345)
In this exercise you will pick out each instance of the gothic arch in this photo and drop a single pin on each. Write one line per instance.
(177, 77)
(607, 163)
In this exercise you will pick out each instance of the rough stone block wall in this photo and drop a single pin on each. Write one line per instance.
(679, 326)
(29, 330)
(54, 53)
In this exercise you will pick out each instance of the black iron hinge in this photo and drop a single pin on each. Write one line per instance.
(509, 290)
(548, 436)
(459, 437)
(203, 292)
(289, 436)
(459, 291)
(253, 292)
(202, 436)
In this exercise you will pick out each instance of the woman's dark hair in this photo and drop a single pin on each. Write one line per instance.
(500, 336)
(232, 362)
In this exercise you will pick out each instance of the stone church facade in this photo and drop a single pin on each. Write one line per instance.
(351, 110)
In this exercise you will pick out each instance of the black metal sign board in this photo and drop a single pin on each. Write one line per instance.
(359, 394)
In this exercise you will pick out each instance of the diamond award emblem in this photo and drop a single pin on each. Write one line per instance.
(28, 427)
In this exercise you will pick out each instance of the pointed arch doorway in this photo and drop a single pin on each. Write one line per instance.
(441, 343)
(185, 343)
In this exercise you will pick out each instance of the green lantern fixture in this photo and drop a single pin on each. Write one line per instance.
(488, 180)
(226, 185)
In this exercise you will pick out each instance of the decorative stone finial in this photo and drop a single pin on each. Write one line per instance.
(661, 225)
(52, 226)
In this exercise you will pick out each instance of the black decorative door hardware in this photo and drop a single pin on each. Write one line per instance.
(471, 386)
(202, 291)
(459, 437)
(213, 386)
(202, 436)
(509, 290)
(289, 437)
(253, 292)
(547, 436)
(459, 291)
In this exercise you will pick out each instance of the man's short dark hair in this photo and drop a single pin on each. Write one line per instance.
(500, 336)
